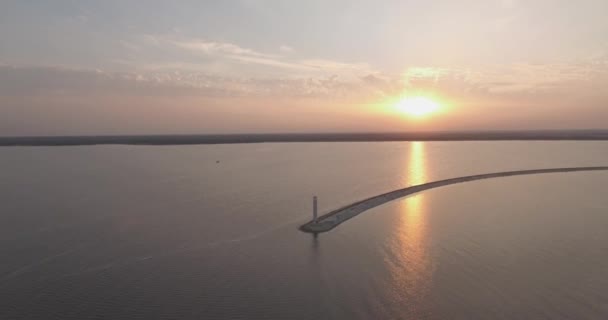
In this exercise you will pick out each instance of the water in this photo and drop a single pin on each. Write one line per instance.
(134, 232)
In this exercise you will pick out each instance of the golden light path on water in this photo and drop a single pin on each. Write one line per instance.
(411, 270)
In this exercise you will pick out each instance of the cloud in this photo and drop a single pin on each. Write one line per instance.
(31, 81)
(286, 49)
(28, 81)
(221, 48)
(305, 78)
(53, 96)
(231, 58)
(518, 79)
(507, 4)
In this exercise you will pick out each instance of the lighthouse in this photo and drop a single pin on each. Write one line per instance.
(314, 209)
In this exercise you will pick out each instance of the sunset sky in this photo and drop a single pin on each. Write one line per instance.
(147, 67)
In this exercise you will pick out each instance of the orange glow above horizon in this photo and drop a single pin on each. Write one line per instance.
(417, 106)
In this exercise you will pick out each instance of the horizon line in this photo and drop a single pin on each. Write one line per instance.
(234, 138)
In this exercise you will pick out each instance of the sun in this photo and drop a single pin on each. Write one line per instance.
(417, 106)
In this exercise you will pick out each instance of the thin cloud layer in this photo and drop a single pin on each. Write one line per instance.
(334, 80)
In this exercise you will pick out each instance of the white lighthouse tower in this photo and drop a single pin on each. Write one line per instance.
(314, 209)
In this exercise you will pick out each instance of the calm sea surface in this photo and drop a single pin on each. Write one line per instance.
(168, 232)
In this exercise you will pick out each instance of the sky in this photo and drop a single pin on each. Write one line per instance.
(83, 67)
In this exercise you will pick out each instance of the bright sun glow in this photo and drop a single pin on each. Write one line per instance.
(417, 106)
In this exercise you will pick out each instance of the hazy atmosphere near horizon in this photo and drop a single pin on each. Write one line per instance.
(141, 67)
(312, 159)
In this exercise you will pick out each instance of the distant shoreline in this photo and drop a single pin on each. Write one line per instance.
(547, 135)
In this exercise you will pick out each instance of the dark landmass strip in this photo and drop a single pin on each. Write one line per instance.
(304, 137)
(336, 217)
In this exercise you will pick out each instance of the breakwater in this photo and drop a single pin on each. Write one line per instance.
(334, 218)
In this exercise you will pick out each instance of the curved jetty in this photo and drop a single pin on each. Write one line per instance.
(332, 219)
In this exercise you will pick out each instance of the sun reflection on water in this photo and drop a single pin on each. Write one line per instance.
(410, 263)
